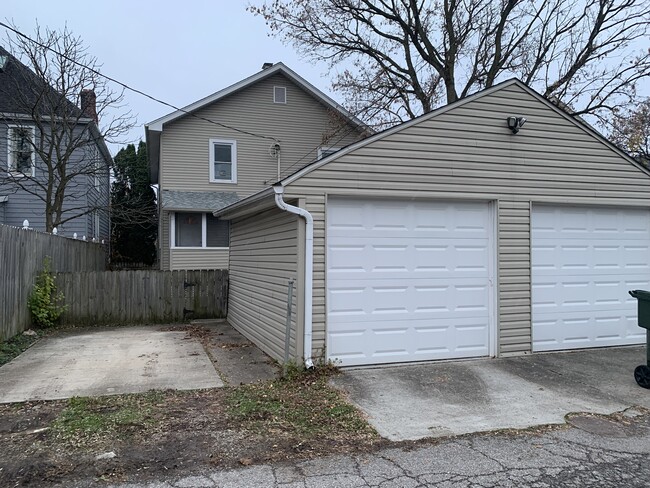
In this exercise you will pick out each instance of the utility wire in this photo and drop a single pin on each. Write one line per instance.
(287, 172)
(134, 90)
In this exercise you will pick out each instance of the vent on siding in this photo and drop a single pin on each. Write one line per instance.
(279, 94)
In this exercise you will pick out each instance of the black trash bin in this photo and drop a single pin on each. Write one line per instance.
(642, 373)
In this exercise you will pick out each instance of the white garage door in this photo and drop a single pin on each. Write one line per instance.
(407, 281)
(584, 261)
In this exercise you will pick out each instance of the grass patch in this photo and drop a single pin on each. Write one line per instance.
(86, 419)
(302, 404)
(14, 346)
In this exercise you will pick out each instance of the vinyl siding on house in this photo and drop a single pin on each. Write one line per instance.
(163, 241)
(205, 258)
(264, 256)
(468, 152)
(80, 195)
(301, 126)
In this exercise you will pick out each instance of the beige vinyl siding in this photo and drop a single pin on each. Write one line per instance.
(468, 152)
(301, 126)
(205, 258)
(264, 256)
(164, 241)
(514, 277)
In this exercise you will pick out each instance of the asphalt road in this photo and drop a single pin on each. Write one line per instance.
(590, 452)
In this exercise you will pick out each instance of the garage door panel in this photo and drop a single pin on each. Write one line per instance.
(574, 293)
(355, 301)
(580, 256)
(403, 256)
(419, 340)
(584, 261)
(406, 281)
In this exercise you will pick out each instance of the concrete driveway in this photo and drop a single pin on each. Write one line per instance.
(107, 361)
(450, 398)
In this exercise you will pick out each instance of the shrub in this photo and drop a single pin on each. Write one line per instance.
(44, 301)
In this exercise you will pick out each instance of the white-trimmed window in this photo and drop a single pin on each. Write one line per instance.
(323, 152)
(20, 150)
(198, 230)
(279, 94)
(223, 161)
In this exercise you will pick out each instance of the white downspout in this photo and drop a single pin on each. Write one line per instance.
(309, 267)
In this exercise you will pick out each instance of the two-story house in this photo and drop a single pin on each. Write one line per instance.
(228, 146)
(39, 128)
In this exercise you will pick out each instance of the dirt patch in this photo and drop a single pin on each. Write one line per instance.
(56, 443)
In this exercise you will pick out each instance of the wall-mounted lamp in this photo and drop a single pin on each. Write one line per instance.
(515, 123)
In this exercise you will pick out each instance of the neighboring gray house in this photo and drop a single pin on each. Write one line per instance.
(449, 236)
(230, 145)
(24, 175)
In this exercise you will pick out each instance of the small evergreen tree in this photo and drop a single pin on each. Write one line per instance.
(133, 207)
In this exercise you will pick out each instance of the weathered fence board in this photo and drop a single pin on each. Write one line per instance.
(21, 259)
(142, 296)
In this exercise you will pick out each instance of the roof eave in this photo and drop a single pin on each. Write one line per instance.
(159, 123)
(245, 206)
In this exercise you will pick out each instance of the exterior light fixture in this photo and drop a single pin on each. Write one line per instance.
(515, 123)
(3, 61)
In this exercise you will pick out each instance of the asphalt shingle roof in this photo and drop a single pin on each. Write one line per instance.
(21, 90)
(197, 200)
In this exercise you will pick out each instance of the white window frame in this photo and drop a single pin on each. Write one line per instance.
(10, 170)
(326, 148)
(204, 232)
(275, 98)
(233, 172)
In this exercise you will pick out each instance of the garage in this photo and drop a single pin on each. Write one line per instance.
(584, 260)
(449, 236)
(407, 280)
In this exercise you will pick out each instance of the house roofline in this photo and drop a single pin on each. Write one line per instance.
(158, 124)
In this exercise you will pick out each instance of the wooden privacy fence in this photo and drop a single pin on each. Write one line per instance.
(22, 252)
(142, 297)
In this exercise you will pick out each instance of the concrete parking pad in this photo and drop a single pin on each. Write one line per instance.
(107, 361)
(449, 398)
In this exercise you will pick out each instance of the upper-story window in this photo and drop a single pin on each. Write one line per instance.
(223, 161)
(279, 94)
(20, 157)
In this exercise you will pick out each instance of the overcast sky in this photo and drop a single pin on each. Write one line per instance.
(177, 51)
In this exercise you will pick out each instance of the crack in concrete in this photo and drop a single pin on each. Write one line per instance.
(571, 459)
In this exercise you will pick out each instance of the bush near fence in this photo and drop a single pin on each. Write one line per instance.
(22, 252)
(95, 296)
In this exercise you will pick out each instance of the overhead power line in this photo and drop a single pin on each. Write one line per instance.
(134, 90)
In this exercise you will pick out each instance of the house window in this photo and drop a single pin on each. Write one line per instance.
(323, 152)
(217, 232)
(279, 94)
(21, 150)
(189, 230)
(223, 161)
(194, 229)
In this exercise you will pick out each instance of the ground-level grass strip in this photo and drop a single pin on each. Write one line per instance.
(14, 346)
(84, 419)
(303, 405)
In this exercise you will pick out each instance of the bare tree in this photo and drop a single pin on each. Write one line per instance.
(53, 100)
(631, 131)
(404, 57)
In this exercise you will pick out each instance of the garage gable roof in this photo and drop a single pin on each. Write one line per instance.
(446, 108)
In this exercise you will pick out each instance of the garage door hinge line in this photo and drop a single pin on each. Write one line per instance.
(309, 267)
